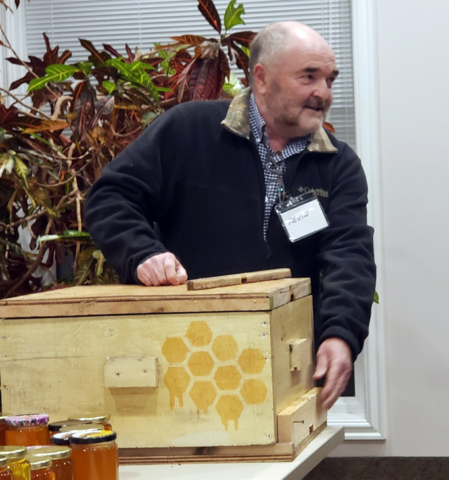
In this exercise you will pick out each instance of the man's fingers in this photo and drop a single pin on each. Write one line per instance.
(321, 366)
(162, 269)
(181, 272)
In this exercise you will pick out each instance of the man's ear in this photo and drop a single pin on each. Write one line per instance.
(260, 78)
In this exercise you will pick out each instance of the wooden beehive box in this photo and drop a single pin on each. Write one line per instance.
(174, 368)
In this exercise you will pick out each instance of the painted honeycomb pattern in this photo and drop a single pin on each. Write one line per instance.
(213, 372)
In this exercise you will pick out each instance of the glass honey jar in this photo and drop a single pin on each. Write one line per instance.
(41, 468)
(3, 429)
(5, 471)
(94, 455)
(61, 457)
(27, 430)
(93, 418)
(20, 467)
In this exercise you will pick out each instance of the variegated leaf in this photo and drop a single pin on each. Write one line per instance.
(48, 126)
(233, 15)
(6, 163)
(54, 73)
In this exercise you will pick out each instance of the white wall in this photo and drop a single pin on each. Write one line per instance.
(413, 73)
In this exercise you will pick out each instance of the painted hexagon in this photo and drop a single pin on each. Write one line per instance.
(176, 380)
(200, 363)
(254, 391)
(203, 395)
(199, 334)
(251, 360)
(227, 377)
(174, 350)
(229, 407)
(225, 347)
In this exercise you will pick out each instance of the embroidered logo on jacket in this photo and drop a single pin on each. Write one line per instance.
(318, 191)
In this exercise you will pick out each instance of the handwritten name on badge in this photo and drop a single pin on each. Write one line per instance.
(301, 216)
(296, 218)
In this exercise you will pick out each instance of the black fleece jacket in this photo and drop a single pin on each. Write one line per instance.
(203, 185)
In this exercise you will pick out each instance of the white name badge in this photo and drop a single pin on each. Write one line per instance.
(302, 216)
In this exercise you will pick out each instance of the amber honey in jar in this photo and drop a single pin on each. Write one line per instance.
(20, 467)
(3, 429)
(27, 430)
(93, 418)
(61, 457)
(55, 427)
(94, 455)
(5, 471)
(41, 468)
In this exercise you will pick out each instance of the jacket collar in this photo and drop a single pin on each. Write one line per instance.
(237, 121)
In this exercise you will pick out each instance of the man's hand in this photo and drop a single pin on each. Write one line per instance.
(162, 269)
(335, 361)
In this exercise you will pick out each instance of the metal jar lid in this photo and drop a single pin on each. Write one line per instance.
(13, 452)
(56, 426)
(55, 452)
(37, 463)
(81, 427)
(85, 438)
(94, 417)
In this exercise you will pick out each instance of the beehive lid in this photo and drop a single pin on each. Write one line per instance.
(134, 299)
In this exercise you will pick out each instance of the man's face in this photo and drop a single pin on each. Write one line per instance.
(298, 89)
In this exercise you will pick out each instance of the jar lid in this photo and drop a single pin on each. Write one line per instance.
(101, 436)
(24, 420)
(81, 427)
(3, 418)
(55, 452)
(94, 417)
(37, 463)
(13, 453)
(3, 461)
(56, 426)
(61, 438)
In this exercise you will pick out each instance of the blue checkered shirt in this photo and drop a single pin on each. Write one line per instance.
(274, 163)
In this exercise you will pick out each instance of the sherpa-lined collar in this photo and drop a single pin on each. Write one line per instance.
(237, 121)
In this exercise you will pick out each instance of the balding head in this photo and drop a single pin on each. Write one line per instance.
(280, 37)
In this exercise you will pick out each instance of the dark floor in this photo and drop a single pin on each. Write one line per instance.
(382, 468)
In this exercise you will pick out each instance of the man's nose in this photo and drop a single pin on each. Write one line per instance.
(323, 91)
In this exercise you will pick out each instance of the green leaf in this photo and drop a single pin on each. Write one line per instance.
(85, 67)
(109, 86)
(148, 118)
(245, 50)
(21, 169)
(6, 163)
(54, 73)
(376, 297)
(233, 15)
(66, 235)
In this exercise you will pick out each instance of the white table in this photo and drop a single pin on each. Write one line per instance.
(316, 451)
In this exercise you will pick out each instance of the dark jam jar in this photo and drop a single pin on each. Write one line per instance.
(27, 430)
(3, 429)
(93, 418)
(94, 455)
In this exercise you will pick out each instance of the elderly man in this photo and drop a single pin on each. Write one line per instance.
(216, 178)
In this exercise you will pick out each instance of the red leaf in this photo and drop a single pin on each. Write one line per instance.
(207, 8)
(131, 55)
(328, 126)
(189, 39)
(96, 57)
(242, 59)
(111, 50)
(85, 109)
(17, 2)
(244, 38)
